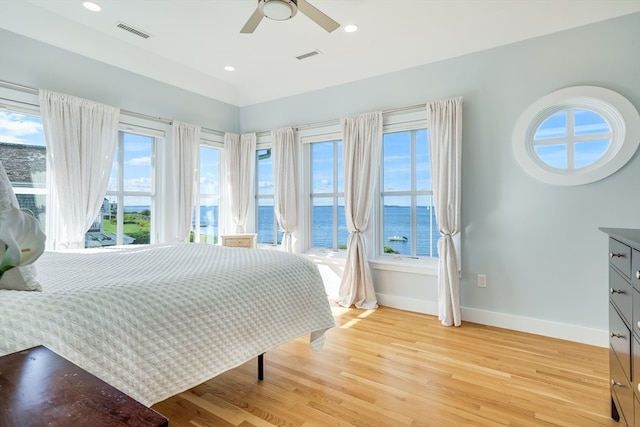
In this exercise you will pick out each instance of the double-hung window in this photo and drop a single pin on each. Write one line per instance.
(328, 228)
(206, 217)
(407, 223)
(127, 213)
(266, 222)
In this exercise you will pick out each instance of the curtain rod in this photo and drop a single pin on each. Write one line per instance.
(218, 132)
(34, 91)
(337, 121)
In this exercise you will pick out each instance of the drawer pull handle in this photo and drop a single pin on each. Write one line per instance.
(638, 274)
(615, 383)
(616, 291)
(614, 335)
(616, 255)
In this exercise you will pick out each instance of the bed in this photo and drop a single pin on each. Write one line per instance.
(155, 320)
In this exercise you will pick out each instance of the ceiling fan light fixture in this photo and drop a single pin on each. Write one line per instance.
(279, 10)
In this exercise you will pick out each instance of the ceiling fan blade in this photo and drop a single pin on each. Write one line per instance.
(318, 17)
(253, 22)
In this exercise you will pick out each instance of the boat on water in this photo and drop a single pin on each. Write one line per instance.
(398, 239)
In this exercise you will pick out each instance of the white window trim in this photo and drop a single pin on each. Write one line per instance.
(620, 114)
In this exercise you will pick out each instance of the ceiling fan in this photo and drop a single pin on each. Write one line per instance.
(281, 10)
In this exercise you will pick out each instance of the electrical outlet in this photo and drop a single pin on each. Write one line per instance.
(482, 280)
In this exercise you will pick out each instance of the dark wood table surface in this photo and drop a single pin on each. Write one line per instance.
(40, 388)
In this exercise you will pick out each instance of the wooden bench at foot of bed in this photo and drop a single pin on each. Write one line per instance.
(38, 387)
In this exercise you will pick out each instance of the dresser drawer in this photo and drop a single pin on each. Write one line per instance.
(620, 293)
(239, 240)
(620, 342)
(621, 390)
(635, 322)
(620, 256)
(635, 269)
(635, 371)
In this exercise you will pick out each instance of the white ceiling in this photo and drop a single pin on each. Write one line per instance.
(192, 40)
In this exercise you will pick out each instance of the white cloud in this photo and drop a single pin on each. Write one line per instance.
(139, 161)
(18, 128)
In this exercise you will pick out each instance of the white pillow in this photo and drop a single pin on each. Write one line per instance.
(18, 278)
(21, 279)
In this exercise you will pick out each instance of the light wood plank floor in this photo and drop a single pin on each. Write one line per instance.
(388, 367)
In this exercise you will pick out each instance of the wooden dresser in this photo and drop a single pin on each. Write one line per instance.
(624, 324)
(239, 240)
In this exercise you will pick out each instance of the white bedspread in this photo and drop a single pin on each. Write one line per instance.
(156, 320)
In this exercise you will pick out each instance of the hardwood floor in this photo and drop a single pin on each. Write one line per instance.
(388, 367)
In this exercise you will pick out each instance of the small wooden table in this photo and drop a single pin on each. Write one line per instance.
(40, 388)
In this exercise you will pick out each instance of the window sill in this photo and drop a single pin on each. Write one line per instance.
(425, 266)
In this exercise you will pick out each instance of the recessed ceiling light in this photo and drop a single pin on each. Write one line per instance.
(351, 28)
(92, 6)
(229, 68)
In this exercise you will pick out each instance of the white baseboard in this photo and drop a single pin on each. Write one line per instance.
(591, 336)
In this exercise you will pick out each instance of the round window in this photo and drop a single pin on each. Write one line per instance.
(576, 135)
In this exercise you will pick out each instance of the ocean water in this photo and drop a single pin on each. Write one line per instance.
(396, 227)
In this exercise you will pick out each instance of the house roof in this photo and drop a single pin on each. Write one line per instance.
(23, 163)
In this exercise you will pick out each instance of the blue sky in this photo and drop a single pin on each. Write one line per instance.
(20, 128)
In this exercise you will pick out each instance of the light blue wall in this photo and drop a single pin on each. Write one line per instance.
(538, 244)
(38, 65)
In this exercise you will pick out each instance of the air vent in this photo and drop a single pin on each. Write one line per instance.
(132, 30)
(308, 54)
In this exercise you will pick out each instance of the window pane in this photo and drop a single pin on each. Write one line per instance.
(322, 167)
(553, 127)
(340, 171)
(265, 173)
(23, 155)
(36, 203)
(19, 128)
(209, 170)
(423, 166)
(137, 220)
(266, 221)
(103, 232)
(396, 226)
(322, 222)
(113, 177)
(587, 123)
(590, 151)
(427, 230)
(138, 150)
(22, 150)
(397, 161)
(554, 155)
(209, 220)
(343, 231)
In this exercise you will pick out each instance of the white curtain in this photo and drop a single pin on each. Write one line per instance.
(285, 190)
(240, 153)
(444, 121)
(362, 146)
(184, 155)
(81, 138)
